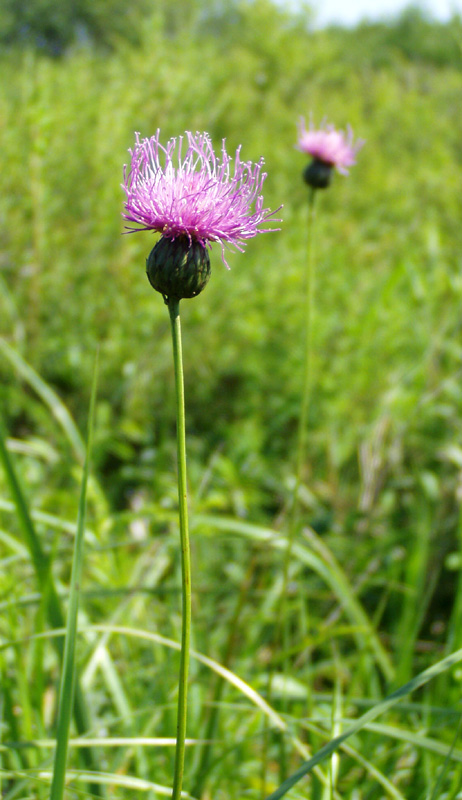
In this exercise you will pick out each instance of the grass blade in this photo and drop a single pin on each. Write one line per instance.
(394, 698)
(45, 581)
(66, 695)
(39, 559)
(326, 567)
(234, 680)
(49, 397)
(56, 406)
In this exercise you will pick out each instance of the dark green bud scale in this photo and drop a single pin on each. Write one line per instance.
(318, 174)
(178, 268)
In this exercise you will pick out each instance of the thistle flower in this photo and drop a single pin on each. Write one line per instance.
(195, 198)
(330, 148)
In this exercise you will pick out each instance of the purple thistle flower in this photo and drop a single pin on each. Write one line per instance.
(329, 146)
(194, 195)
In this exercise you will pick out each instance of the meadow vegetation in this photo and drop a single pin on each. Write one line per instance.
(375, 575)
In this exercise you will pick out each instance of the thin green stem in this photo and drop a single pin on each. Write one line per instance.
(282, 626)
(174, 310)
(304, 405)
(304, 408)
(308, 360)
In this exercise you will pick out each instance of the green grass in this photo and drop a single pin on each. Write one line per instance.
(375, 589)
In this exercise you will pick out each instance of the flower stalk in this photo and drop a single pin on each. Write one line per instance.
(174, 311)
(282, 623)
(308, 347)
(192, 199)
(308, 293)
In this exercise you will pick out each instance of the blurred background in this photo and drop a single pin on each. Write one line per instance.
(382, 478)
(334, 11)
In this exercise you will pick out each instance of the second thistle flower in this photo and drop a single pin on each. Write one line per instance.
(329, 148)
(192, 199)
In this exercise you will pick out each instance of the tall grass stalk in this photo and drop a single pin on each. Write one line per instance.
(68, 674)
(174, 310)
(50, 598)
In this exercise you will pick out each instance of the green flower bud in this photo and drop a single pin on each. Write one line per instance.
(178, 268)
(318, 174)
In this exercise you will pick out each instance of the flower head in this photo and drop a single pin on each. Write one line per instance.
(194, 194)
(329, 146)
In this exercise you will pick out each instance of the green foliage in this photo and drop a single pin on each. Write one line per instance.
(412, 37)
(53, 27)
(376, 595)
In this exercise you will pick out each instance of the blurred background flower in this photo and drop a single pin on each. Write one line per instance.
(329, 145)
